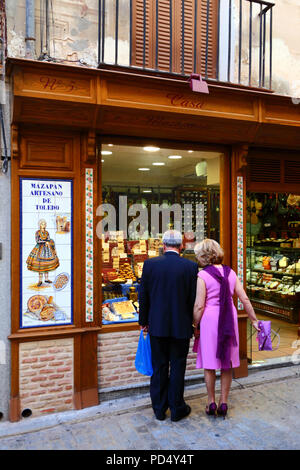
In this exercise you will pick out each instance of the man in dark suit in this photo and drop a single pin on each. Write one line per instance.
(166, 300)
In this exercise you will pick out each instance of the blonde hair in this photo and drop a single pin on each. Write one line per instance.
(209, 252)
(42, 221)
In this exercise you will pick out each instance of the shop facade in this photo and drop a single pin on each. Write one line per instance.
(65, 351)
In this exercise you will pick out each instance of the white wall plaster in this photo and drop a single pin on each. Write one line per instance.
(74, 37)
(16, 44)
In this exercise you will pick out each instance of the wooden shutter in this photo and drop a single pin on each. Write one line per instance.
(212, 37)
(264, 170)
(292, 171)
(140, 39)
(273, 170)
(165, 36)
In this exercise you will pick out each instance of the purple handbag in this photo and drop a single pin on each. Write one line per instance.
(264, 336)
(196, 345)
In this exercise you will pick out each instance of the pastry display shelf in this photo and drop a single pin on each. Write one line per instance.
(288, 313)
(269, 303)
(274, 248)
(277, 273)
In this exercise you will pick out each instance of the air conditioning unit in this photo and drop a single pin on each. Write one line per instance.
(201, 169)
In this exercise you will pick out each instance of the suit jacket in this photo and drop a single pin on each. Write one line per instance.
(167, 295)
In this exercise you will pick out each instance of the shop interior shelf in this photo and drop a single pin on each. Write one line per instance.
(269, 271)
(269, 303)
(274, 248)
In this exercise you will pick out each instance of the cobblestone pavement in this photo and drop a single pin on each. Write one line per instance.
(264, 414)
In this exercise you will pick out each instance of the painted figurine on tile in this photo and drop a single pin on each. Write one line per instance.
(43, 257)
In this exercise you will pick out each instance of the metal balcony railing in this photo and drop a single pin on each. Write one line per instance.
(223, 40)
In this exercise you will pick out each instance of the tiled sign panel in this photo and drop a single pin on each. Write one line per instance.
(46, 252)
(89, 244)
(240, 233)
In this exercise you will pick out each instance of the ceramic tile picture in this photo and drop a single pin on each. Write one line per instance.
(46, 252)
(240, 233)
(89, 290)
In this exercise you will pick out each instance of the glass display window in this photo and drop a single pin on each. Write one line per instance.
(273, 262)
(146, 191)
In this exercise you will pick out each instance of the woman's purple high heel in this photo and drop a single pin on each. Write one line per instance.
(222, 410)
(211, 409)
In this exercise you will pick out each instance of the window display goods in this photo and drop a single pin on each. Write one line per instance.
(273, 254)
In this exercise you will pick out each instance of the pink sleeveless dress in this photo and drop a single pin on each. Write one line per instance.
(207, 347)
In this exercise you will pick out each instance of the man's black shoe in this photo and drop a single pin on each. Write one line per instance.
(183, 415)
(160, 416)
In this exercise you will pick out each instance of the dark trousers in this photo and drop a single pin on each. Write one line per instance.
(167, 387)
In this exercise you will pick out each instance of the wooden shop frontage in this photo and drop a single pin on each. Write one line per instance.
(84, 140)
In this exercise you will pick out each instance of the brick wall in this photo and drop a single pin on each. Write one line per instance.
(116, 355)
(46, 376)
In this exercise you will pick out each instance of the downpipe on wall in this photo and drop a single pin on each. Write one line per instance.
(30, 29)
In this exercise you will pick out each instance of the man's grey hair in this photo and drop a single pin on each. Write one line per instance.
(172, 238)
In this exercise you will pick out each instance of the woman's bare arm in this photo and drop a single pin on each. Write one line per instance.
(199, 302)
(240, 292)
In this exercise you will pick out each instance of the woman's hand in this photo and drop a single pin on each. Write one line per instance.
(255, 325)
(196, 331)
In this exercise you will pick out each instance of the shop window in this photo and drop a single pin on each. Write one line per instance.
(145, 191)
(273, 265)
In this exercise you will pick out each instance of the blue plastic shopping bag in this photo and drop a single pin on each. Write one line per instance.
(143, 362)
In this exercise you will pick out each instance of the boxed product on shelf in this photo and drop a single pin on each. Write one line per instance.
(136, 247)
(116, 262)
(118, 310)
(105, 252)
(129, 245)
(138, 263)
(108, 273)
(124, 308)
(113, 248)
(154, 244)
(107, 314)
(143, 247)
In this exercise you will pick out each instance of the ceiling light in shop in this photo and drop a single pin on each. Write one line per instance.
(110, 145)
(106, 152)
(147, 191)
(151, 149)
(102, 161)
(158, 164)
(190, 151)
(175, 157)
(144, 169)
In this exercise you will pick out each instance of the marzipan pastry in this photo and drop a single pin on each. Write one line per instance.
(36, 303)
(47, 313)
(61, 281)
(121, 308)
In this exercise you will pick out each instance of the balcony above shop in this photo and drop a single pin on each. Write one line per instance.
(227, 41)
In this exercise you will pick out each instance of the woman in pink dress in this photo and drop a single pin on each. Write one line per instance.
(218, 346)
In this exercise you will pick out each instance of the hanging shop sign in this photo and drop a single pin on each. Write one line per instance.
(46, 252)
